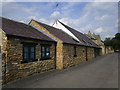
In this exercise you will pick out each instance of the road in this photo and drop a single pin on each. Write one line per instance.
(101, 72)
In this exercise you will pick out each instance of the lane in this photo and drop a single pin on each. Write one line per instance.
(102, 72)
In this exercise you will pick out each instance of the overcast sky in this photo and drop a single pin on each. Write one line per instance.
(97, 17)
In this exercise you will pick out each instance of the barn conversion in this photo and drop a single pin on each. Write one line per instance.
(72, 47)
(25, 50)
(37, 47)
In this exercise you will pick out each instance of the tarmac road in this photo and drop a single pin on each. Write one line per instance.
(101, 72)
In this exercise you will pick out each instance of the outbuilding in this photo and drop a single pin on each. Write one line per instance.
(72, 47)
(25, 50)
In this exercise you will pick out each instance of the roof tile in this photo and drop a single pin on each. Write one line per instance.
(59, 34)
(15, 28)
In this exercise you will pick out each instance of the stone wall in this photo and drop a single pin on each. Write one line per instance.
(16, 70)
(0, 58)
(103, 50)
(59, 47)
(3, 42)
(59, 55)
(108, 50)
(3, 52)
(68, 55)
(90, 53)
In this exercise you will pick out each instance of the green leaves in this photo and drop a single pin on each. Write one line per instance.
(114, 42)
(107, 42)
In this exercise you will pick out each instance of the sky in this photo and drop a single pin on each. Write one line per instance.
(98, 17)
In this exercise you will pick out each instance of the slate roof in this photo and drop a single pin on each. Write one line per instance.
(67, 38)
(14, 28)
(59, 34)
(81, 36)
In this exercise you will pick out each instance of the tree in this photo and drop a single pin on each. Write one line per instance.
(107, 41)
(114, 42)
(117, 36)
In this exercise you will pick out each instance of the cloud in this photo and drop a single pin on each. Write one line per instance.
(97, 17)
(86, 28)
(105, 0)
(69, 5)
(60, 0)
(8, 0)
(22, 21)
(103, 17)
(66, 20)
(17, 10)
(32, 17)
(55, 15)
(108, 36)
(43, 20)
(99, 30)
(46, 21)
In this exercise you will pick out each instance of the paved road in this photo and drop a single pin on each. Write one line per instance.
(101, 72)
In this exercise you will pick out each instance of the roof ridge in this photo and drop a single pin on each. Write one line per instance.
(51, 26)
(21, 23)
(69, 27)
(56, 29)
(69, 30)
(46, 25)
(40, 31)
(22, 30)
(77, 31)
(15, 21)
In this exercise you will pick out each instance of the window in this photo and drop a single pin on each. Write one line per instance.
(28, 52)
(75, 54)
(45, 52)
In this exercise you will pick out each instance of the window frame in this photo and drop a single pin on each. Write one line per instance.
(29, 47)
(75, 51)
(45, 52)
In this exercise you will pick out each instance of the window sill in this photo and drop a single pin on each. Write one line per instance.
(22, 62)
(45, 58)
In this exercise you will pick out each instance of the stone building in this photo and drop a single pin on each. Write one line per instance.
(25, 50)
(37, 47)
(97, 39)
(72, 46)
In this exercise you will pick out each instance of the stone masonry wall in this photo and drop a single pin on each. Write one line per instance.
(65, 53)
(15, 70)
(90, 53)
(103, 50)
(59, 55)
(0, 59)
(3, 41)
(68, 55)
(59, 47)
(3, 53)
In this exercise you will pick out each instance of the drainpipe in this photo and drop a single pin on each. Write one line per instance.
(4, 58)
(55, 54)
(0, 68)
(86, 54)
(94, 52)
(4, 65)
